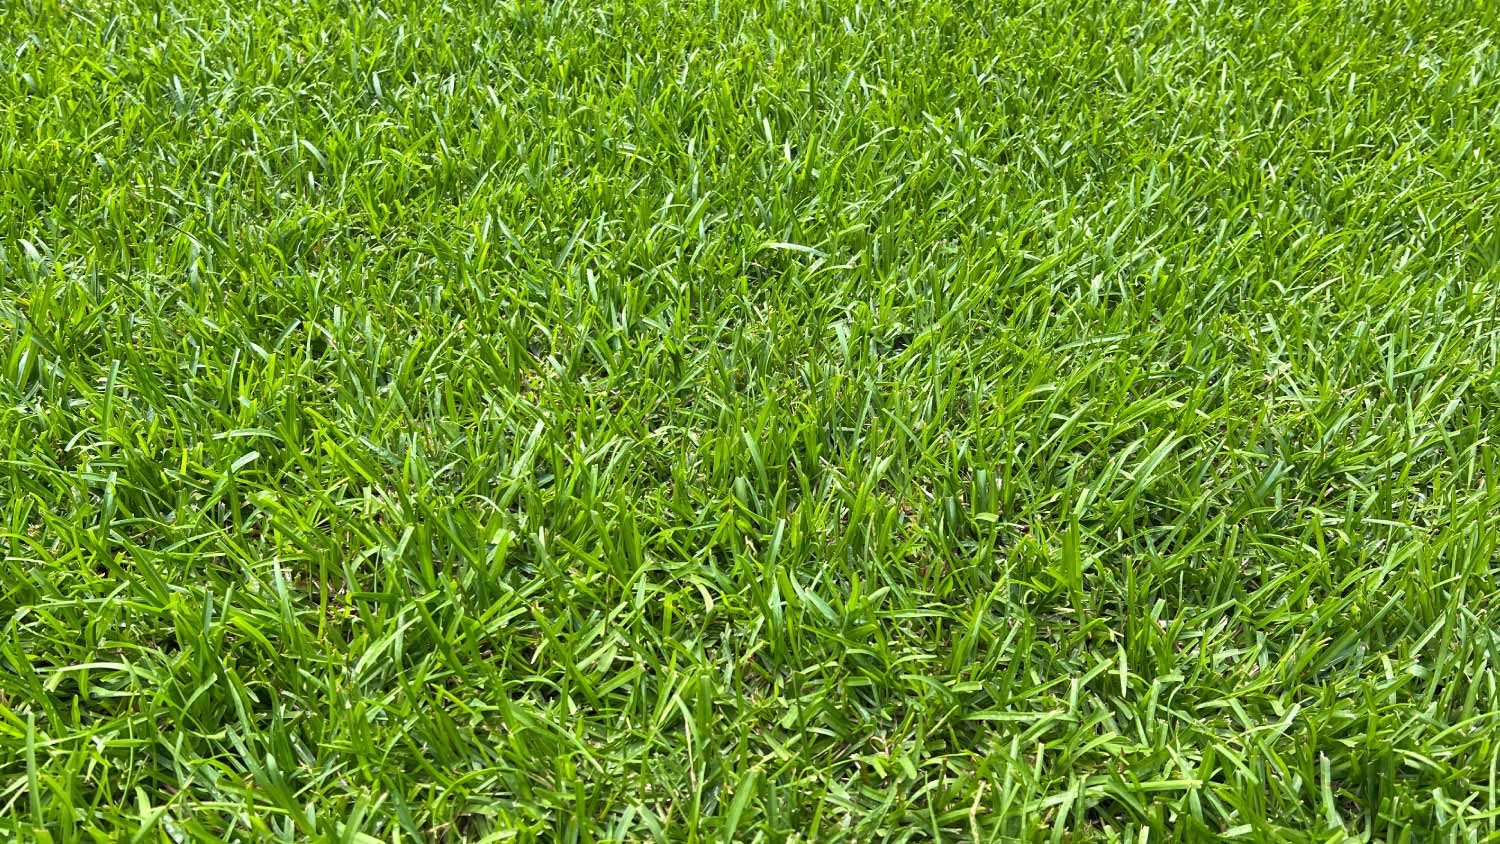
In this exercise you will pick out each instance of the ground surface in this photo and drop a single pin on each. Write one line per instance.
(745, 420)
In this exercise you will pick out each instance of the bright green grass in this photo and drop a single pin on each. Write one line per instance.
(750, 421)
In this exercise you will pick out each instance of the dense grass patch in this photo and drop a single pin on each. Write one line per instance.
(749, 420)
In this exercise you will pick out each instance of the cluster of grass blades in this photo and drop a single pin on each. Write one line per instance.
(749, 420)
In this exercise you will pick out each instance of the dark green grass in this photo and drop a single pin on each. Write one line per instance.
(749, 421)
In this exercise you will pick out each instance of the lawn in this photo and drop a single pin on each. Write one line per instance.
(749, 421)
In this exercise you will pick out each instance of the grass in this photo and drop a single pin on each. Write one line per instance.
(749, 420)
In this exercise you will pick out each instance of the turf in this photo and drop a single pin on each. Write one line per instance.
(749, 420)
